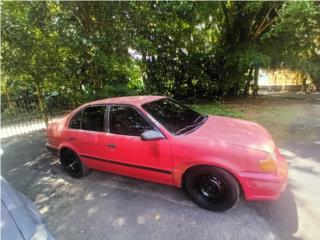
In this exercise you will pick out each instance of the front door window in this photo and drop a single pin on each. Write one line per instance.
(125, 120)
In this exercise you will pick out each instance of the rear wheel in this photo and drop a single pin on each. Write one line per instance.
(72, 164)
(211, 188)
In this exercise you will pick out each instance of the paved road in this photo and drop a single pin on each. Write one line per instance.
(106, 206)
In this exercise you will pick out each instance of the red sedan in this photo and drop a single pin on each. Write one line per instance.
(158, 139)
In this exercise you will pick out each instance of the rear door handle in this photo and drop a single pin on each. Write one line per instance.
(111, 145)
(72, 139)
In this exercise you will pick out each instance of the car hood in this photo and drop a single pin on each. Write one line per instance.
(234, 132)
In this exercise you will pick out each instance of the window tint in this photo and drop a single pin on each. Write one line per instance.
(76, 121)
(93, 118)
(125, 120)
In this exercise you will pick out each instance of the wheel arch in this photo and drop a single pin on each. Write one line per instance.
(191, 168)
(84, 168)
(64, 147)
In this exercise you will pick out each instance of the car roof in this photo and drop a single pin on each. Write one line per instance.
(130, 100)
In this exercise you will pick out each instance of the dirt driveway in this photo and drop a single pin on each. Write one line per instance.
(106, 206)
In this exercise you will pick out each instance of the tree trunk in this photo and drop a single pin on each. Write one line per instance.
(42, 105)
(247, 84)
(255, 82)
(304, 83)
(317, 84)
(11, 103)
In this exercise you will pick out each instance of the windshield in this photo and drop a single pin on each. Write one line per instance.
(175, 117)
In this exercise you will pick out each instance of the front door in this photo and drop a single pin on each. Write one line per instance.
(130, 155)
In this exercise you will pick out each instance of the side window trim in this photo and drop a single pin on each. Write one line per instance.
(73, 116)
(137, 110)
(106, 116)
(107, 119)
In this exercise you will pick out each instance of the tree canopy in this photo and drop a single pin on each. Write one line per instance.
(188, 50)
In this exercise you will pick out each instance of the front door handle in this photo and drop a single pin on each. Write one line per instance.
(111, 145)
(72, 139)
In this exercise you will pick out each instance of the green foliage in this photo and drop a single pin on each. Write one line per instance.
(295, 40)
(189, 50)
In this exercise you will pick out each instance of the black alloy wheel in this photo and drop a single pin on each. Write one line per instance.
(211, 188)
(73, 165)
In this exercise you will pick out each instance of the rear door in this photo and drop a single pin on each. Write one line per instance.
(132, 156)
(87, 133)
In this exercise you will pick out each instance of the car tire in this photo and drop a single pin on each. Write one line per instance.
(73, 165)
(211, 188)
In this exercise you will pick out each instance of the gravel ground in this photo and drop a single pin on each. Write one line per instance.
(106, 206)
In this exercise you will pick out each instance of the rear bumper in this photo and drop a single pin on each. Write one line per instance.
(53, 150)
(265, 186)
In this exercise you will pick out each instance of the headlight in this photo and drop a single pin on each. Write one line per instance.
(268, 165)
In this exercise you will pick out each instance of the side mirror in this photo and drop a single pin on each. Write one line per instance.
(151, 135)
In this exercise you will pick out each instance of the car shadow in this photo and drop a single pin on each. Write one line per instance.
(282, 214)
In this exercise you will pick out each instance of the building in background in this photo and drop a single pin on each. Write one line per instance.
(283, 80)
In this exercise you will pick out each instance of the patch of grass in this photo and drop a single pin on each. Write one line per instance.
(216, 109)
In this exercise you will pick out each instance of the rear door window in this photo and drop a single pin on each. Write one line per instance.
(75, 122)
(93, 118)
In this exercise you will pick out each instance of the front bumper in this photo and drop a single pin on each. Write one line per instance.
(266, 186)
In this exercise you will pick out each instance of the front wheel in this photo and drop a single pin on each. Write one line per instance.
(211, 188)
